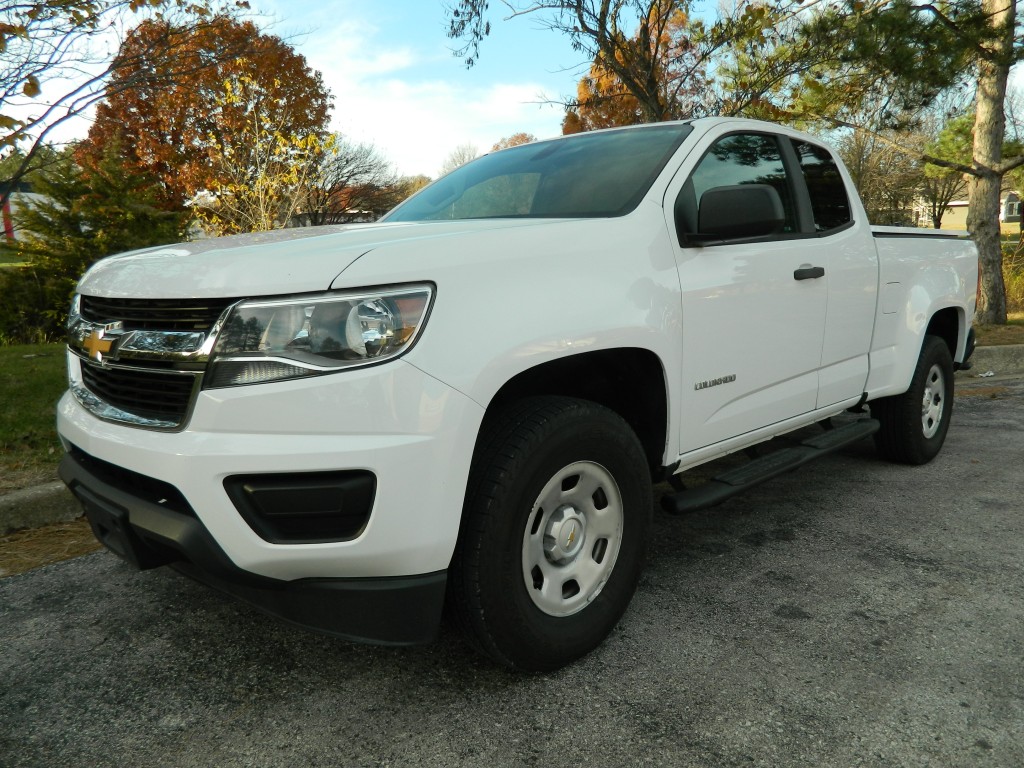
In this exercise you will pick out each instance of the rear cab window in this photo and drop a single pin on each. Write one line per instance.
(830, 205)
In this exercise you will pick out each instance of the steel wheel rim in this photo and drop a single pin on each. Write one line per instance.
(572, 538)
(933, 403)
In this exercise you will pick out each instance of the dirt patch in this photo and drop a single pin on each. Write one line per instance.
(1001, 335)
(17, 476)
(24, 550)
(993, 392)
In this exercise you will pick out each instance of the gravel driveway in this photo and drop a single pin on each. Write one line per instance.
(852, 613)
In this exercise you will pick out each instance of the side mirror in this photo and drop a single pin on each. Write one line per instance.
(739, 212)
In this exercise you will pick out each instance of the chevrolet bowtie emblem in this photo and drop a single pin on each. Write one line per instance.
(97, 346)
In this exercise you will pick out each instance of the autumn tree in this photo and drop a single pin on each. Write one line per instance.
(515, 140)
(601, 102)
(56, 64)
(653, 54)
(260, 172)
(175, 130)
(662, 51)
(351, 182)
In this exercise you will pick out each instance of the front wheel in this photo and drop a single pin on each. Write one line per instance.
(914, 424)
(554, 532)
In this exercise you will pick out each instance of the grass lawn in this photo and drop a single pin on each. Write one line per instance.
(8, 259)
(32, 379)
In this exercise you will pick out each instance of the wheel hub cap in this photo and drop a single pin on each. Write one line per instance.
(572, 538)
(565, 534)
(932, 404)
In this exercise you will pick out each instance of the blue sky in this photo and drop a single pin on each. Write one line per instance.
(397, 85)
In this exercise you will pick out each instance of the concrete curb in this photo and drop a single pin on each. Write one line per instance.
(1007, 359)
(53, 502)
(36, 507)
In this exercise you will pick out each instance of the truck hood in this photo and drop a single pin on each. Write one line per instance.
(264, 263)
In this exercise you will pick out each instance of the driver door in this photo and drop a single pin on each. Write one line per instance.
(753, 322)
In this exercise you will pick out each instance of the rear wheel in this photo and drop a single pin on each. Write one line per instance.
(554, 532)
(914, 424)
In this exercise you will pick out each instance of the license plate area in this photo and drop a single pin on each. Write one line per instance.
(111, 527)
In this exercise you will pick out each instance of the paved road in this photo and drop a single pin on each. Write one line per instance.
(853, 613)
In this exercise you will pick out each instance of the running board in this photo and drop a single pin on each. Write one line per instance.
(735, 481)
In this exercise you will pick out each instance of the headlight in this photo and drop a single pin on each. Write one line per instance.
(270, 340)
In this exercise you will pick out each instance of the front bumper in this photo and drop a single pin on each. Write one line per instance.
(179, 497)
(414, 434)
(150, 532)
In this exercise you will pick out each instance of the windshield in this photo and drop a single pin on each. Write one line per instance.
(588, 175)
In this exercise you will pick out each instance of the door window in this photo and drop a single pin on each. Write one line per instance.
(741, 158)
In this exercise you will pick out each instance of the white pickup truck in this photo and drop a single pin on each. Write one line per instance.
(467, 404)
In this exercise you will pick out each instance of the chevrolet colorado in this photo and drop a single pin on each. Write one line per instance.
(467, 404)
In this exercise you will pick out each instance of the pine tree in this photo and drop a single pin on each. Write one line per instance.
(81, 214)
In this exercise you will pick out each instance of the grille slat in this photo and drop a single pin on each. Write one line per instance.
(150, 395)
(155, 314)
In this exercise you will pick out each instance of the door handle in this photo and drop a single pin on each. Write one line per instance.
(807, 272)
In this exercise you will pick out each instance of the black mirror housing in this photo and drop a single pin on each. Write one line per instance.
(739, 212)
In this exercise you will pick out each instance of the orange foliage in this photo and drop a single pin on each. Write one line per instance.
(171, 129)
(601, 102)
(659, 62)
(514, 141)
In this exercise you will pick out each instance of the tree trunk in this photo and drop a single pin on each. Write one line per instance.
(983, 223)
(989, 129)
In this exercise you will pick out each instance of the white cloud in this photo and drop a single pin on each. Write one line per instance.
(417, 125)
(391, 95)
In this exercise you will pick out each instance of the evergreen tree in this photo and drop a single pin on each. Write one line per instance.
(81, 214)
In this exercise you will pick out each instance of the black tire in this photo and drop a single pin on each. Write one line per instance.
(914, 424)
(529, 453)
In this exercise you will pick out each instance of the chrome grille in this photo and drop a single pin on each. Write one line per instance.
(155, 395)
(155, 314)
(142, 360)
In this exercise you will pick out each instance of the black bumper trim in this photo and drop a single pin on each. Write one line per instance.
(401, 610)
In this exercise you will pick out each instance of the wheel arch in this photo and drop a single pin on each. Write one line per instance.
(949, 324)
(892, 364)
(630, 381)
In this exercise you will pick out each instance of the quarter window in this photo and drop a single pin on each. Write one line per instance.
(829, 202)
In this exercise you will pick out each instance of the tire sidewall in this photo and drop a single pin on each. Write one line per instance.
(923, 449)
(520, 625)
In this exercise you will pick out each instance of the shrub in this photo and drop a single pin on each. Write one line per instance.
(34, 307)
(81, 215)
(1014, 280)
(1013, 273)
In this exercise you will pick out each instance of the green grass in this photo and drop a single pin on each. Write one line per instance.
(32, 379)
(9, 259)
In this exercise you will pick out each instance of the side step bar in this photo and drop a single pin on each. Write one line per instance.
(735, 481)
